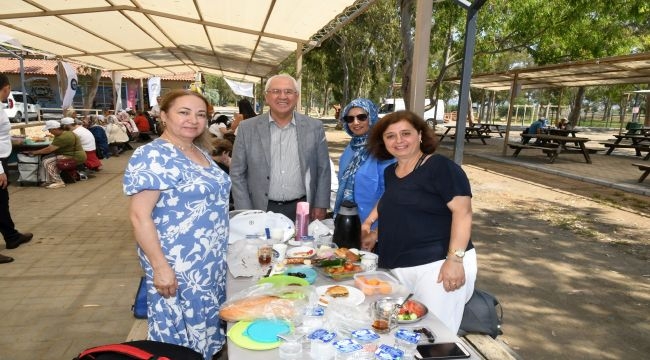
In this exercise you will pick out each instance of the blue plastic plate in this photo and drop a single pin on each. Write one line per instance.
(266, 331)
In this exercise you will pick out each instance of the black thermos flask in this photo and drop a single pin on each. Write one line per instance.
(347, 226)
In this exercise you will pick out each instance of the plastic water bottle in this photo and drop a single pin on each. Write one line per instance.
(347, 226)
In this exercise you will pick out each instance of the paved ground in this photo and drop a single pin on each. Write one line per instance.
(72, 287)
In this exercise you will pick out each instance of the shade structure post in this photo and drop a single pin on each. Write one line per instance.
(468, 57)
(420, 56)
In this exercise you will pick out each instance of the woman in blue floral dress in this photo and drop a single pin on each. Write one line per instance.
(179, 212)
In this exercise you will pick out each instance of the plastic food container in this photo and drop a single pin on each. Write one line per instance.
(386, 352)
(321, 345)
(407, 341)
(375, 282)
(347, 349)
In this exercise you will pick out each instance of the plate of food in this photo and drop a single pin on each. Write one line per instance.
(344, 293)
(303, 252)
(339, 269)
(412, 311)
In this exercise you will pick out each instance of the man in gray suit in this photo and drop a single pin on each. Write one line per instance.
(281, 157)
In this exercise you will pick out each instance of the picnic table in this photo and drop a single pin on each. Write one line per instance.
(490, 128)
(562, 132)
(554, 145)
(630, 141)
(440, 331)
(471, 132)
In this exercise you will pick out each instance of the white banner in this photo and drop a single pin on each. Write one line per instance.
(67, 77)
(154, 90)
(240, 88)
(117, 90)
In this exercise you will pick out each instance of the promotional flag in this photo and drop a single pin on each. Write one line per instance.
(67, 78)
(154, 90)
(117, 90)
(240, 88)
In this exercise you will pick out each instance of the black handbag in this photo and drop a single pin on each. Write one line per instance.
(483, 315)
(140, 350)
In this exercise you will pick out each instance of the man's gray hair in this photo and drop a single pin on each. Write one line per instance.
(286, 76)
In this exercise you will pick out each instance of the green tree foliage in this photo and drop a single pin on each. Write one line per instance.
(366, 57)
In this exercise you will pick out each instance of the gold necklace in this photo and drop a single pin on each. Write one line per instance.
(181, 148)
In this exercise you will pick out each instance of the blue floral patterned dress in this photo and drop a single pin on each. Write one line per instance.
(191, 218)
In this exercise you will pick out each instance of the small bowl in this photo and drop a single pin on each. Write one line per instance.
(388, 302)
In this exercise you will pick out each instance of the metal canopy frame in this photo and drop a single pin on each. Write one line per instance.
(626, 69)
(245, 40)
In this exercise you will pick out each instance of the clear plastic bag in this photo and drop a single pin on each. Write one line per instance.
(266, 301)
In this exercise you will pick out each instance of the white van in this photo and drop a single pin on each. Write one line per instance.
(14, 107)
(432, 116)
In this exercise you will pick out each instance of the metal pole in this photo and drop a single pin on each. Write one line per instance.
(463, 104)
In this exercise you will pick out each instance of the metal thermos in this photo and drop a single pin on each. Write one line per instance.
(347, 226)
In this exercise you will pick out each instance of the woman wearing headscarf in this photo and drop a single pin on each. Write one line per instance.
(361, 176)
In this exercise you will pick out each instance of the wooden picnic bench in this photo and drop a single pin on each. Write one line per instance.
(646, 170)
(632, 141)
(471, 132)
(489, 348)
(554, 145)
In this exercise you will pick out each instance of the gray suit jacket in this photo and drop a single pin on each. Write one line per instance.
(250, 167)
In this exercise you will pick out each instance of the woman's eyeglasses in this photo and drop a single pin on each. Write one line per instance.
(350, 118)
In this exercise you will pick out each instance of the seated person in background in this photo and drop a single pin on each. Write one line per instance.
(221, 155)
(219, 126)
(87, 142)
(562, 124)
(64, 145)
(142, 123)
(92, 123)
(117, 135)
(131, 128)
(535, 128)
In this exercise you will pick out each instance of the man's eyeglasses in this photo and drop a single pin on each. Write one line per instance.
(286, 92)
(350, 118)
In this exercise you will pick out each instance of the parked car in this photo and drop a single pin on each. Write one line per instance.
(14, 107)
(432, 116)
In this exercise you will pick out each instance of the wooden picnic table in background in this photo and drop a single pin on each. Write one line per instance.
(554, 145)
(471, 132)
(630, 141)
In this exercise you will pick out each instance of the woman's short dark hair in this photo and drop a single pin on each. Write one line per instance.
(4, 80)
(376, 144)
(221, 119)
(246, 108)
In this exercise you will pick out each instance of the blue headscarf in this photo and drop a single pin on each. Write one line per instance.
(358, 146)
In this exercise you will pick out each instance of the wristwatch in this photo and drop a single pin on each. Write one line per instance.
(459, 253)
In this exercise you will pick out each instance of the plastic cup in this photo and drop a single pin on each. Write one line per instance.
(279, 252)
(369, 261)
(277, 235)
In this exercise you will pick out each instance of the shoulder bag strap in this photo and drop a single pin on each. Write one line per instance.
(123, 349)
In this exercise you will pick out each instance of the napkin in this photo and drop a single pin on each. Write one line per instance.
(242, 259)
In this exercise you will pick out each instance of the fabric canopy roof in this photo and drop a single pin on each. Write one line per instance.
(243, 40)
(628, 69)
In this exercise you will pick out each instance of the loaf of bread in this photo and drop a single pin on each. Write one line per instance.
(257, 307)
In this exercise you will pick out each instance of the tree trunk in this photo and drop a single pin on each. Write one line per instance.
(95, 77)
(406, 13)
(574, 115)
